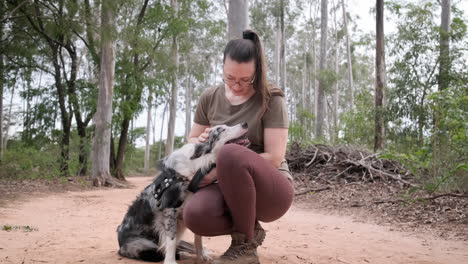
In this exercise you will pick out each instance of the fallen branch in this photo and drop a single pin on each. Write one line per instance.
(313, 190)
(456, 195)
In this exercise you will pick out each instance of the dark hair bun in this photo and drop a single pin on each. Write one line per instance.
(249, 34)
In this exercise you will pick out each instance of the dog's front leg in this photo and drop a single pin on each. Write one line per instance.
(202, 255)
(170, 230)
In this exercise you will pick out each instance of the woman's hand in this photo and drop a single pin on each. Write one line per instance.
(209, 178)
(204, 136)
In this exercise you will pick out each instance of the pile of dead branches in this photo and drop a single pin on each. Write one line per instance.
(324, 164)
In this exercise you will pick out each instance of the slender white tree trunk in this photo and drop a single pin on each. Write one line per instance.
(2, 69)
(277, 51)
(174, 92)
(103, 118)
(162, 129)
(238, 18)
(188, 104)
(348, 52)
(153, 124)
(380, 77)
(10, 109)
(321, 107)
(148, 131)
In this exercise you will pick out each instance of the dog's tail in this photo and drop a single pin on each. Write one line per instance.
(186, 247)
(141, 248)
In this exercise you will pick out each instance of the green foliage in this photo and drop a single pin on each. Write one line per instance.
(27, 162)
(358, 125)
(301, 129)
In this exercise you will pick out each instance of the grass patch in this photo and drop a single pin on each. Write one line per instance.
(9, 228)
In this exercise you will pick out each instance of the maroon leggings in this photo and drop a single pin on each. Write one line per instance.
(250, 188)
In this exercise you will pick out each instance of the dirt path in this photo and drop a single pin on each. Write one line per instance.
(79, 227)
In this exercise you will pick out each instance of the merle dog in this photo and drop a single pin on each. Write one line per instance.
(151, 229)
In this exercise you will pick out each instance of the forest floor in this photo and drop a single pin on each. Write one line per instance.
(70, 222)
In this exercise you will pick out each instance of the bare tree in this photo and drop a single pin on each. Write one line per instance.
(174, 91)
(10, 117)
(334, 132)
(188, 102)
(103, 118)
(444, 65)
(440, 138)
(148, 130)
(2, 74)
(348, 52)
(319, 127)
(238, 18)
(379, 77)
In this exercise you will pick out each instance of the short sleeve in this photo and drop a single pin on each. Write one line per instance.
(201, 112)
(276, 115)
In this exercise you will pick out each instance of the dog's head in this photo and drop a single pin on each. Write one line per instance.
(221, 135)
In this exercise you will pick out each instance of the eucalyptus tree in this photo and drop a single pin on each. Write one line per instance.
(379, 132)
(174, 87)
(238, 18)
(100, 173)
(319, 126)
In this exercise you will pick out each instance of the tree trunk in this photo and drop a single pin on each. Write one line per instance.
(380, 78)
(162, 128)
(323, 56)
(444, 65)
(440, 136)
(148, 131)
(188, 104)
(10, 109)
(334, 134)
(282, 48)
(238, 18)
(100, 173)
(348, 52)
(174, 92)
(123, 140)
(2, 82)
(1, 95)
(277, 51)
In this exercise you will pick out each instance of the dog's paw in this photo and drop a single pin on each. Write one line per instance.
(204, 258)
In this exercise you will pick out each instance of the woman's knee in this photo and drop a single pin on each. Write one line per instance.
(232, 156)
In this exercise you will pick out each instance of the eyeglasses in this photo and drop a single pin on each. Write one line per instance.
(242, 83)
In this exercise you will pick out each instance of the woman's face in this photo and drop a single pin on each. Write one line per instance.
(239, 77)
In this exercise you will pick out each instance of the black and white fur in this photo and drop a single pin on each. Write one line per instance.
(150, 230)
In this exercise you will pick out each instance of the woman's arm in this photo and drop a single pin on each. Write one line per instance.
(275, 141)
(198, 133)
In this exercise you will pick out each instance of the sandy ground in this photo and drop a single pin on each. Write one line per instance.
(79, 227)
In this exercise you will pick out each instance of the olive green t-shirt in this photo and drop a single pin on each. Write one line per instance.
(214, 109)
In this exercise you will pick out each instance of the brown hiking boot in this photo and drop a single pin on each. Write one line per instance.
(241, 251)
(259, 233)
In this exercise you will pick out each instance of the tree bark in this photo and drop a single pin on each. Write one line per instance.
(2, 82)
(348, 52)
(148, 130)
(100, 173)
(334, 134)
(282, 57)
(319, 127)
(174, 91)
(10, 109)
(162, 128)
(379, 136)
(440, 137)
(188, 103)
(444, 65)
(238, 18)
